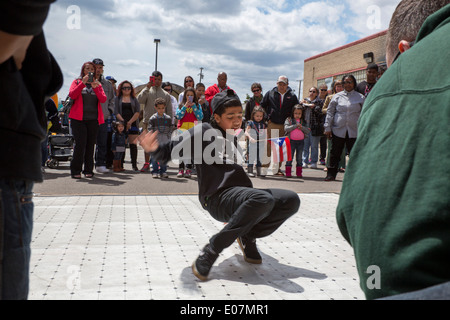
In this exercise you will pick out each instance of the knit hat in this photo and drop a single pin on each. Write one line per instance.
(223, 97)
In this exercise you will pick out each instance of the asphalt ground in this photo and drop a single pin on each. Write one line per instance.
(59, 182)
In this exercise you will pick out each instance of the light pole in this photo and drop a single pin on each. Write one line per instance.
(157, 41)
(201, 74)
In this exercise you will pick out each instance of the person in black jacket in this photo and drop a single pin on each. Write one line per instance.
(278, 104)
(29, 75)
(225, 190)
(253, 101)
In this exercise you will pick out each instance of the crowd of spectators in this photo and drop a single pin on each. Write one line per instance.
(329, 118)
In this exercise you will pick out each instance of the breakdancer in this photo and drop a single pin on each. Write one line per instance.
(225, 190)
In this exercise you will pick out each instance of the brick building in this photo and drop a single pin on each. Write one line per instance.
(348, 59)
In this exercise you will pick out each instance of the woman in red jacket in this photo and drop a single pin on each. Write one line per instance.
(86, 115)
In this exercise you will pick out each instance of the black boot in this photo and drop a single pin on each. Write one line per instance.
(248, 247)
(331, 174)
(204, 262)
(133, 155)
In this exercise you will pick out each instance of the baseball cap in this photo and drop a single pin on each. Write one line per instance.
(283, 79)
(98, 61)
(223, 97)
(111, 79)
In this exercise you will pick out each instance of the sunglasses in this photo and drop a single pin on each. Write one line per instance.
(323, 90)
(256, 90)
(126, 88)
(348, 82)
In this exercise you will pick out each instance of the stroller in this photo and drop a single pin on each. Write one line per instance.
(60, 141)
(60, 148)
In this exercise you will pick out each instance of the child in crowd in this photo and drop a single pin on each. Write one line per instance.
(257, 135)
(225, 190)
(162, 124)
(206, 109)
(296, 129)
(118, 146)
(189, 113)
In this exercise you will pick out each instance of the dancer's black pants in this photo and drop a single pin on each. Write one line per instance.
(249, 212)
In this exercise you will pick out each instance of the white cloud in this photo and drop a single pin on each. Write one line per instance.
(370, 16)
(132, 63)
(251, 40)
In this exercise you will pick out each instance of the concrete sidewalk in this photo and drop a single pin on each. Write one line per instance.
(142, 247)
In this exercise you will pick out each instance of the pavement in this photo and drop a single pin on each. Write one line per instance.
(130, 237)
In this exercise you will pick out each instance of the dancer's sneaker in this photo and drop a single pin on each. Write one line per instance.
(146, 167)
(204, 263)
(248, 247)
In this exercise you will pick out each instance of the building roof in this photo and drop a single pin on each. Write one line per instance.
(373, 36)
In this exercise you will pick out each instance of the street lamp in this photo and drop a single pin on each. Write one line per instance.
(157, 41)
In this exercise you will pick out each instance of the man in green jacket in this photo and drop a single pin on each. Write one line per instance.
(394, 208)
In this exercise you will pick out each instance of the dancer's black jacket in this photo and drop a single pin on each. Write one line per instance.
(216, 155)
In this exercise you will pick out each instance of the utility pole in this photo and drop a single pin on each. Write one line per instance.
(300, 89)
(201, 74)
(156, 41)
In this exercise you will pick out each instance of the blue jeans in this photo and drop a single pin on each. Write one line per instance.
(255, 152)
(158, 168)
(437, 292)
(313, 143)
(297, 149)
(16, 224)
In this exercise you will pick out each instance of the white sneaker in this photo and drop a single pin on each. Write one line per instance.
(163, 175)
(102, 169)
(263, 172)
(305, 165)
(313, 166)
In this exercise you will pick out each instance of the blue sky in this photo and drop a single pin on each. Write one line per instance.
(253, 41)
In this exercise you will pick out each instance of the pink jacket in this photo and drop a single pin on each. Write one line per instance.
(76, 112)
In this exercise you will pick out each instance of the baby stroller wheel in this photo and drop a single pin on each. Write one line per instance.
(52, 163)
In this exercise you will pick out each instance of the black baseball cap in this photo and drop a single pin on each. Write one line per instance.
(223, 98)
(98, 61)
